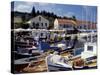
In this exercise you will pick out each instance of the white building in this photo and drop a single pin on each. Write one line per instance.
(38, 22)
(64, 24)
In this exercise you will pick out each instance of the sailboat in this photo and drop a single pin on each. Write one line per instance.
(90, 47)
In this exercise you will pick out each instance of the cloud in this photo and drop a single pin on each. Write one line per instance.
(27, 6)
(23, 6)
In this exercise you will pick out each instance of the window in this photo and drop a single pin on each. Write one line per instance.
(80, 27)
(39, 18)
(33, 25)
(64, 26)
(84, 26)
(70, 26)
(41, 24)
(67, 26)
(46, 24)
(90, 48)
(37, 25)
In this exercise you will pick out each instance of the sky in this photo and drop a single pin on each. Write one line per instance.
(88, 13)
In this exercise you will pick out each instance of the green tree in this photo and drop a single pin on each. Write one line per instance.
(33, 14)
(74, 18)
(24, 26)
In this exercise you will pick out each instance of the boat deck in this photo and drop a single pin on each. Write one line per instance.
(40, 65)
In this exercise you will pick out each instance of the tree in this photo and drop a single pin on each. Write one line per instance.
(74, 18)
(23, 17)
(33, 14)
(38, 13)
(65, 17)
(43, 12)
(24, 26)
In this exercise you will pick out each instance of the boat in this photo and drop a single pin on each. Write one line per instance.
(90, 50)
(28, 62)
(57, 63)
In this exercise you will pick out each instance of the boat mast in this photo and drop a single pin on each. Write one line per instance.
(81, 19)
(91, 22)
(86, 17)
(85, 7)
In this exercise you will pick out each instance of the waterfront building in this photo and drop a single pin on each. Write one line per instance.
(64, 24)
(38, 22)
(86, 25)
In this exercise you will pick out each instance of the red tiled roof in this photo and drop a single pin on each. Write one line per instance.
(66, 21)
(79, 22)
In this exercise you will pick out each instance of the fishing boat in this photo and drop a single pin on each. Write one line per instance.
(27, 63)
(57, 63)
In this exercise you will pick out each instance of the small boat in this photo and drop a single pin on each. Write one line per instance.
(33, 63)
(90, 50)
(57, 63)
